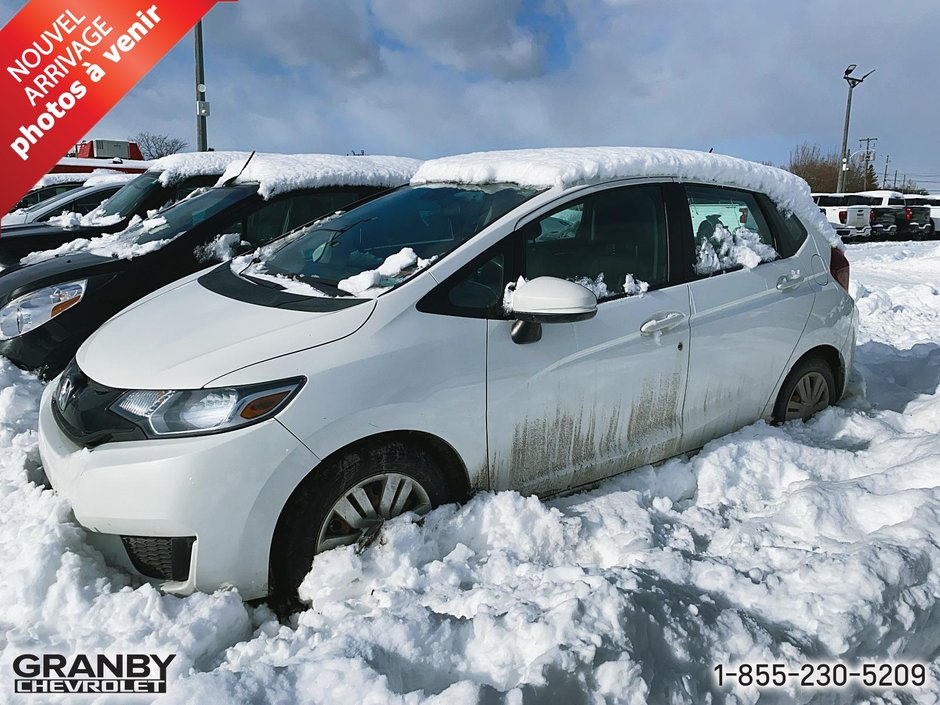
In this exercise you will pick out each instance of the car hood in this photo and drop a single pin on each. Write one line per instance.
(22, 279)
(32, 229)
(185, 337)
(15, 218)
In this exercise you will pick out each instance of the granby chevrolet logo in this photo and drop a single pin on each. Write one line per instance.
(120, 673)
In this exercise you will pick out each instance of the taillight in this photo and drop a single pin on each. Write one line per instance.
(843, 216)
(871, 217)
(908, 213)
(839, 267)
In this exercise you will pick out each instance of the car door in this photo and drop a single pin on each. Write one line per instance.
(751, 299)
(592, 398)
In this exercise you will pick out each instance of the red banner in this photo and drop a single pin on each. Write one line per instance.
(64, 64)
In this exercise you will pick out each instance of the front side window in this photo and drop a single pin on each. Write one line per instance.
(613, 242)
(380, 243)
(730, 230)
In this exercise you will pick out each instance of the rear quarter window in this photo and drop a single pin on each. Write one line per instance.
(789, 232)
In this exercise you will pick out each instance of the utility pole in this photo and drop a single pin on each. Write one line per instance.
(866, 158)
(895, 179)
(202, 105)
(884, 181)
(852, 81)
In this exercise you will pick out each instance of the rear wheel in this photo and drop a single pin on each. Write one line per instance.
(347, 499)
(807, 390)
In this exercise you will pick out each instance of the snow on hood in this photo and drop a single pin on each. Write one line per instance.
(565, 167)
(211, 336)
(176, 167)
(277, 173)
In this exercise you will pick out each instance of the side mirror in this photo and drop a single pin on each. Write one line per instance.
(549, 300)
(552, 300)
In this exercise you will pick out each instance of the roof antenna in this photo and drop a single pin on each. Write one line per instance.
(232, 179)
(710, 150)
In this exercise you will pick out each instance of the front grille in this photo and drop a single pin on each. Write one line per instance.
(159, 557)
(81, 407)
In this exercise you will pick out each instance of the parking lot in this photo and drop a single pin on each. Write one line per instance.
(772, 544)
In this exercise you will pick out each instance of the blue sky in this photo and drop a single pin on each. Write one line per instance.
(752, 78)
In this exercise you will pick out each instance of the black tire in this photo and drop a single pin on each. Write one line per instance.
(805, 368)
(298, 529)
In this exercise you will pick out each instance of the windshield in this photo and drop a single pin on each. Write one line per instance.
(129, 197)
(185, 215)
(373, 247)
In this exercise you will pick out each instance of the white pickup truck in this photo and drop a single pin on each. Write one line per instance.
(853, 216)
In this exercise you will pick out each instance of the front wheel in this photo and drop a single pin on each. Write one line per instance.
(345, 500)
(807, 390)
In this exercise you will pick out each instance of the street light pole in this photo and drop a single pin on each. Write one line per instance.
(202, 105)
(844, 154)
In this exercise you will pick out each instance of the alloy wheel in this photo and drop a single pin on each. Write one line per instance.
(809, 396)
(365, 506)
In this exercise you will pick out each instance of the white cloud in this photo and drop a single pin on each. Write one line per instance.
(475, 36)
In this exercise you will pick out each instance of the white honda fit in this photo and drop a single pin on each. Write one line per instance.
(534, 320)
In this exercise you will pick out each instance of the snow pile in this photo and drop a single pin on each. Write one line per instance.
(597, 286)
(222, 248)
(789, 544)
(176, 167)
(278, 173)
(375, 281)
(725, 249)
(565, 167)
(631, 286)
(66, 219)
(122, 245)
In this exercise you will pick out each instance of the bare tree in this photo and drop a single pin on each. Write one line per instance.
(154, 146)
(821, 170)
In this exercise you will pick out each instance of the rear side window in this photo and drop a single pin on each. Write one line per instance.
(789, 231)
(730, 230)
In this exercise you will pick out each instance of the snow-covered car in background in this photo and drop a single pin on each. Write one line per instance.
(166, 181)
(54, 300)
(50, 186)
(82, 200)
(534, 320)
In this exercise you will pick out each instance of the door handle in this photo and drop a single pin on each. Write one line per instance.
(789, 281)
(662, 322)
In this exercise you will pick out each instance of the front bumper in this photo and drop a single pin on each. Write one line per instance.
(226, 490)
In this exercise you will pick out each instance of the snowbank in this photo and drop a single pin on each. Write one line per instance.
(176, 167)
(565, 167)
(788, 544)
(277, 173)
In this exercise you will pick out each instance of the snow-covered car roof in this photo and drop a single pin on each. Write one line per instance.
(74, 177)
(565, 167)
(101, 177)
(277, 173)
(176, 167)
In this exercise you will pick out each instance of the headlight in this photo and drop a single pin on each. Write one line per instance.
(31, 310)
(162, 413)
